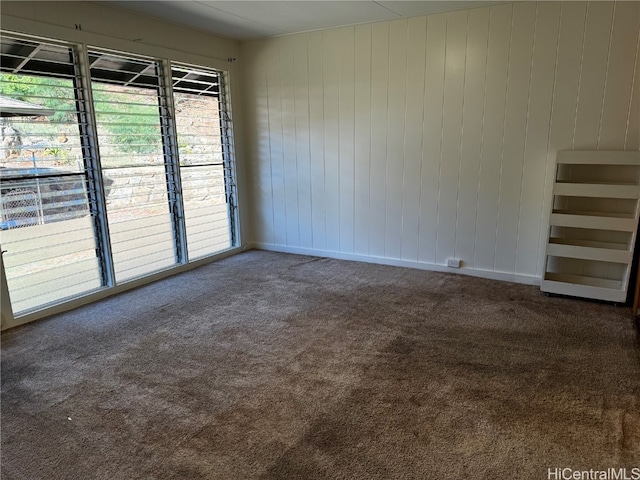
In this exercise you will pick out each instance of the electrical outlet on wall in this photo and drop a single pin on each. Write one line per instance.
(453, 262)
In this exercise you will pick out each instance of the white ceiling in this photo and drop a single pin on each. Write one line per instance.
(244, 19)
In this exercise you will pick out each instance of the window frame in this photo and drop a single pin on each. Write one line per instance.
(96, 187)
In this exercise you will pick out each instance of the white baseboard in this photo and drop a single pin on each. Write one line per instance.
(107, 292)
(507, 277)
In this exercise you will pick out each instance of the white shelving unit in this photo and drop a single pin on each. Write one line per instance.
(593, 224)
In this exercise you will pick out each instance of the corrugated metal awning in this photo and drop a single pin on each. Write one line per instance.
(10, 107)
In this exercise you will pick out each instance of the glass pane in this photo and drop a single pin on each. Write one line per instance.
(45, 223)
(128, 125)
(139, 221)
(205, 210)
(201, 147)
(49, 241)
(198, 124)
(39, 144)
(132, 158)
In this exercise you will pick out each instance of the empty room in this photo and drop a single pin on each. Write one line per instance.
(320, 240)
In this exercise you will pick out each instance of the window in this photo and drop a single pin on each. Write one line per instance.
(127, 99)
(46, 211)
(204, 146)
(112, 167)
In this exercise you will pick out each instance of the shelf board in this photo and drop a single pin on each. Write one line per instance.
(589, 243)
(577, 289)
(597, 190)
(593, 213)
(584, 280)
(599, 221)
(589, 253)
(598, 158)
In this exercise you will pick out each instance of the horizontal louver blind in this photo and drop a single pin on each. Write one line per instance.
(45, 213)
(127, 102)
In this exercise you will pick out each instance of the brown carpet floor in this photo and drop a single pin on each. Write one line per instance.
(266, 365)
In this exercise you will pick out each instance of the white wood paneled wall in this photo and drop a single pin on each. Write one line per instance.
(430, 138)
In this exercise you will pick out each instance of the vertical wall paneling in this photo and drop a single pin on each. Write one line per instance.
(530, 223)
(472, 123)
(414, 120)
(346, 123)
(274, 87)
(517, 102)
(632, 136)
(456, 44)
(379, 109)
(493, 135)
(563, 114)
(395, 131)
(302, 140)
(432, 140)
(426, 138)
(595, 54)
(263, 190)
(626, 22)
(251, 195)
(571, 41)
(316, 142)
(290, 160)
(619, 82)
(362, 137)
(330, 81)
